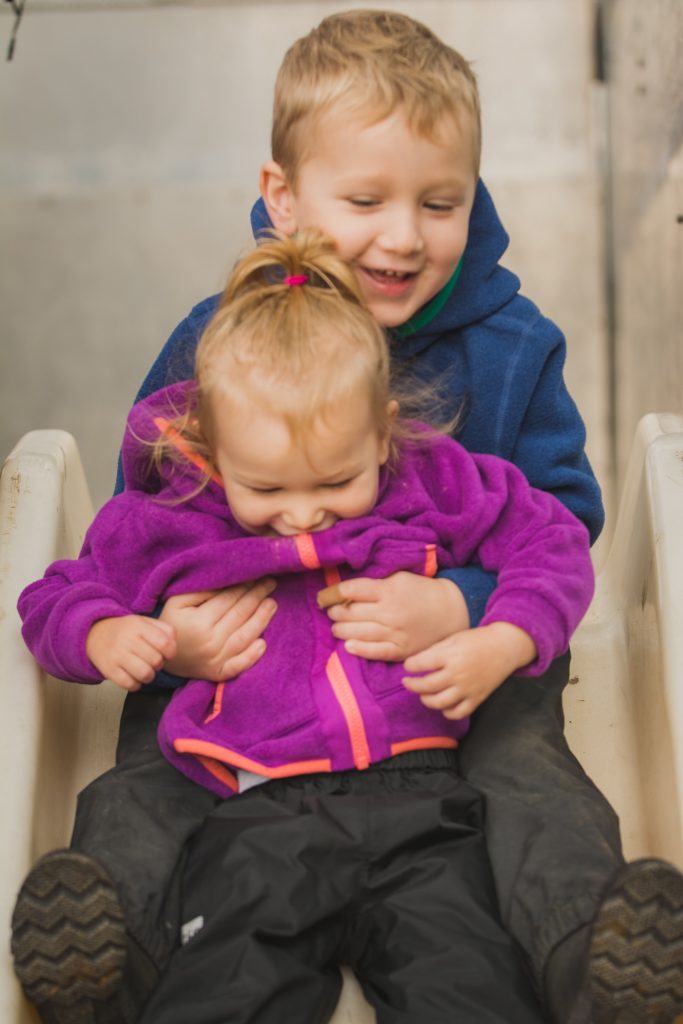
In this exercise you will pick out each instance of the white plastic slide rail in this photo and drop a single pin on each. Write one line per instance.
(624, 710)
(625, 713)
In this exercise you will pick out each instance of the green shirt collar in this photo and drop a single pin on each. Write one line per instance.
(431, 309)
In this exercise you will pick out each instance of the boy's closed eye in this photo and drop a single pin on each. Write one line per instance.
(440, 205)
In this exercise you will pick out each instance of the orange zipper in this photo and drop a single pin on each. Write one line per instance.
(341, 687)
(342, 690)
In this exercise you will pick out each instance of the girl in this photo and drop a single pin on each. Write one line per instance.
(286, 457)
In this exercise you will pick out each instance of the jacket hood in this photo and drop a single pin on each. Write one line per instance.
(482, 288)
(176, 477)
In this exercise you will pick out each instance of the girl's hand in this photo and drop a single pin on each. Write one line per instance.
(464, 669)
(390, 619)
(129, 650)
(218, 632)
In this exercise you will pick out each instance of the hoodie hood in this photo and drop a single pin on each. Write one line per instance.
(483, 286)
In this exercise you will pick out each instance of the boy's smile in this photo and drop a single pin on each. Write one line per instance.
(396, 203)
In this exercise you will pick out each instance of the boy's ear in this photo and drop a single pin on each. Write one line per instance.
(278, 197)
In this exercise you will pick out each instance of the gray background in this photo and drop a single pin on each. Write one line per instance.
(131, 138)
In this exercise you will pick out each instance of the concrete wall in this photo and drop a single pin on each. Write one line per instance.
(132, 137)
(645, 76)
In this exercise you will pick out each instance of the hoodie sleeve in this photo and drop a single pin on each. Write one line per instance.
(476, 587)
(550, 444)
(175, 362)
(525, 414)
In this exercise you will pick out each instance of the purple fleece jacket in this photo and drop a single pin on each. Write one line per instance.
(308, 705)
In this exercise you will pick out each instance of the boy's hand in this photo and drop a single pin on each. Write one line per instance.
(218, 632)
(464, 669)
(390, 619)
(129, 650)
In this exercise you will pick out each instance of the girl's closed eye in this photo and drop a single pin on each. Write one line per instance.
(338, 484)
(364, 202)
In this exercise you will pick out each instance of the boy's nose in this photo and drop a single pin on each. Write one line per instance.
(402, 234)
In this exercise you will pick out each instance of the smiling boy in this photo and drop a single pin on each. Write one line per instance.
(376, 140)
(402, 223)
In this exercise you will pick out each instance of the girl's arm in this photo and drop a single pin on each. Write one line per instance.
(59, 611)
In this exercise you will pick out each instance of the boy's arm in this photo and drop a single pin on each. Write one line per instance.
(549, 443)
(475, 585)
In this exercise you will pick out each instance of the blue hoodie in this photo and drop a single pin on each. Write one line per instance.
(494, 354)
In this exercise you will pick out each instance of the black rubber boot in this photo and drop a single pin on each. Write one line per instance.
(72, 953)
(632, 970)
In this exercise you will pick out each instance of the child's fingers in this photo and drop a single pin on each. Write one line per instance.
(462, 709)
(443, 699)
(448, 650)
(385, 650)
(153, 640)
(212, 606)
(242, 639)
(148, 652)
(162, 637)
(241, 662)
(372, 631)
(143, 663)
(124, 680)
(430, 660)
(350, 592)
(221, 604)
(248, 603)
(329, 596)
(432, 682)
(354, 611)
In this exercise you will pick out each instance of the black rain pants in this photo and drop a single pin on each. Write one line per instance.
(552, 838)
(385, 870)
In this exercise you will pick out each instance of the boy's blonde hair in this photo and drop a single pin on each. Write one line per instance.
(372, 62)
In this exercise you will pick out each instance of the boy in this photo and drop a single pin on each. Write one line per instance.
(376, 140)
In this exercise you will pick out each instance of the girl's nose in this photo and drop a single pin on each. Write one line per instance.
(303, 518)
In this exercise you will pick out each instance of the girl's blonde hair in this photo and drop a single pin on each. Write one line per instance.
(372, 62)
(292, 320)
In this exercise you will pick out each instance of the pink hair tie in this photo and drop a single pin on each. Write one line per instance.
(294, 279)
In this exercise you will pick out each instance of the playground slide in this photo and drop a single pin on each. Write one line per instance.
(624, 709)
